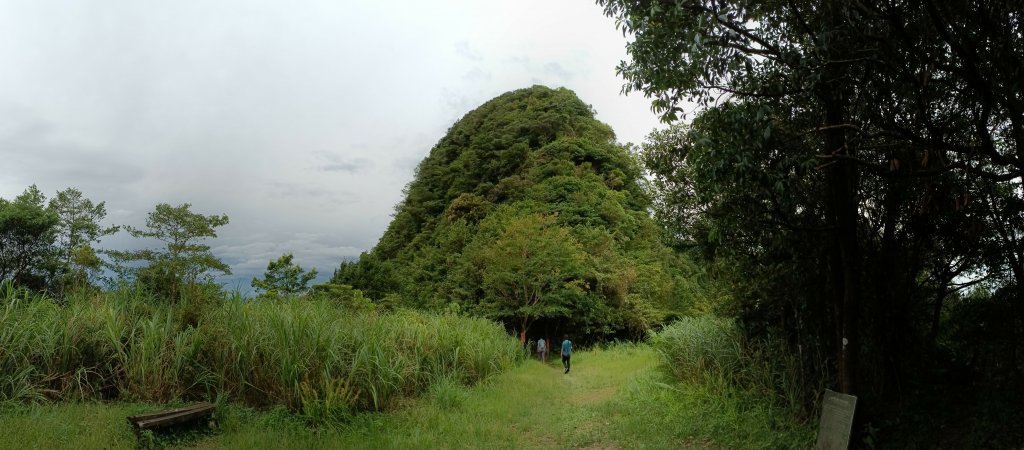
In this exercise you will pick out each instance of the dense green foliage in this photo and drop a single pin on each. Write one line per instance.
(320, 360)
(527, 212)
(27, 234)
(709, 391)
(78, 229)
(50, 246)
(712, 351)
(698, 347)
(856, 168)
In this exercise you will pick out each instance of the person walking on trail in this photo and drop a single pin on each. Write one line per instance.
(566, 352)
(542, 349)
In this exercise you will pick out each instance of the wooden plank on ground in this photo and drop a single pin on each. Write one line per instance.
(171, 416)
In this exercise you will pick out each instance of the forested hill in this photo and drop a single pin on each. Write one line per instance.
(530, 213)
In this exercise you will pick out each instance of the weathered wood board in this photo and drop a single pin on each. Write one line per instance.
(171, 416)
(836, 421)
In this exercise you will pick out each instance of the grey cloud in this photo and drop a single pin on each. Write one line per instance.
(302, 190)
(34, 154)
(463, 49)
(549, 69)
(137, 103)
(19, 124)
(458, 100)
(556, 69)
(411, 149)
(329, 162)
(406, 164)
(477, 75)
(518, 60)
(346, 166)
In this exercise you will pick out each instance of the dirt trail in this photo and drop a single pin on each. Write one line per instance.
(584, 401)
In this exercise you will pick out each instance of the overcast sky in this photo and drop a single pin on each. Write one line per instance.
(300, 120)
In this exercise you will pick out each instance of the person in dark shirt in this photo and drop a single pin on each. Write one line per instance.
(566, 352)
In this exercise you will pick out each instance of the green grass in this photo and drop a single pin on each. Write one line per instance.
(68, 426)
(617, 397)
(654, 411)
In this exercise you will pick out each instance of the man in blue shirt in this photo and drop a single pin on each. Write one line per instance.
(566, 352)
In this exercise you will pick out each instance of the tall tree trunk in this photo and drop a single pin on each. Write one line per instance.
(523, 327)
(940, 297)
(843, 205)
(841, 178)
(1017, 322)
(888, 303)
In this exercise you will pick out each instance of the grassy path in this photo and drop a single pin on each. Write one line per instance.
(532, 406)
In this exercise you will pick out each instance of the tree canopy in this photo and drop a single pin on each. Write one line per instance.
(185, 260)
(49, 246)
(283, 277)
(78, 229)
(27, 233)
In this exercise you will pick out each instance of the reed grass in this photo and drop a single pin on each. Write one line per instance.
(712, 351)
(314, 357)
(695, 348)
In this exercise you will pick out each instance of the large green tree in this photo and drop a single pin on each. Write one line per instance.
(27, 233)
(78, 229)
(184, 261)
(531, 269)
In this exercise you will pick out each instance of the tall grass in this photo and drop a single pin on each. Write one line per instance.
(312, 356)
(695, 348)
(710, 350)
